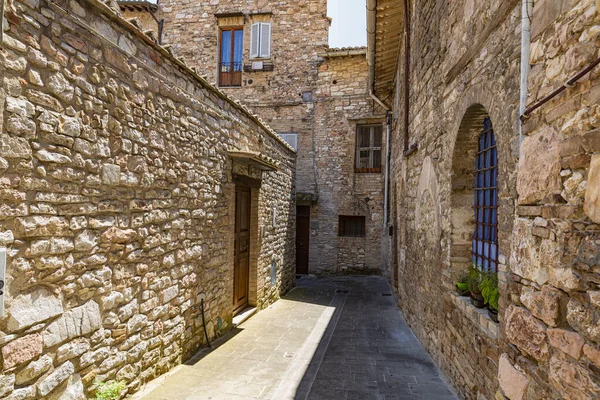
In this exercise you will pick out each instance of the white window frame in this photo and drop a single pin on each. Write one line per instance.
(291, 139)
(257, 29)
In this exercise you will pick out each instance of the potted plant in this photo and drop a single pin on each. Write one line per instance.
(462, 287)
(474, 278)
(491, 294)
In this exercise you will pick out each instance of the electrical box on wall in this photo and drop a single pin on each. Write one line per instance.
(2, 279)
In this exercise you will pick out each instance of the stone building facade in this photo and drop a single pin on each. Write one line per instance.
(464, 70)
(119, 173)
(312, 95)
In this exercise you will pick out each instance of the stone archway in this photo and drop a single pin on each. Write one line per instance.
(461, 198)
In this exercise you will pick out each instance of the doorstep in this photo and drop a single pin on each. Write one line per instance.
(243, 316)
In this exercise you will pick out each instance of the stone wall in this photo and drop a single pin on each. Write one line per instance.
(464, 67)
(342, 102)
(553, 319)
(325, 122)
(118, 203)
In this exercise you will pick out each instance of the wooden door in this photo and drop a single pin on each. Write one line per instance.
(241, 272)
(302, 238)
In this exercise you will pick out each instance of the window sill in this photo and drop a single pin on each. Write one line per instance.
(367, 170)
(230, 87)
(478, 316)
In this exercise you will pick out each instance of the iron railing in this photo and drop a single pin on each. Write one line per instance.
(230, 74)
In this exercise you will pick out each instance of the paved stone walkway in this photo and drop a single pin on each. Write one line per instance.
(330, 338)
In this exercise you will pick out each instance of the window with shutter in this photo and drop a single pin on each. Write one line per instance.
(368, 149)
(291, 139)
(260, 40)
(255, 40)
(265, 40)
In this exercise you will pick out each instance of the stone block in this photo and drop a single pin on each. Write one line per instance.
(72, 389)
(14, 147)
(546, 304)
(74, 323)
(21, 350)
(34, 369)
(568, 342)
(26, 393)
(57, 377)
(526, 332)
(7, 384)
(572, 380)
(512, 382)
(584, 318)
(591, 205)
(71, 350)
(116, 235)
(111, 174)
(41, 226)
(33, 308)
(592, 353)
(538, 176)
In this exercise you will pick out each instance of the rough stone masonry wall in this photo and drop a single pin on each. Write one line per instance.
(342, 101)
(553, 320)
(464, 66)
(299, 31)
(117, 203)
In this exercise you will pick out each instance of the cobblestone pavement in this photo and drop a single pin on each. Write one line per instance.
(330, 338)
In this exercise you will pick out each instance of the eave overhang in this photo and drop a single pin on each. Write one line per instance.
(385, 27)
(254, 159)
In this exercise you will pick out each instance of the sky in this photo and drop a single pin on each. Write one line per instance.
(349, 27)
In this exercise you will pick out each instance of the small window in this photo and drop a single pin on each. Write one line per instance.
(230, 57)
(351, 226)
(291, 139)
(485, 237)
(368, 149)
(260, 40)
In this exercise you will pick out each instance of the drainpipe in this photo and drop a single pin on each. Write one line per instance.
(407, 151)
(526, 14)
(388, 123)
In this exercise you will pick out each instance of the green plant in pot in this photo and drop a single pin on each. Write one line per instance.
(491, 294)
(462, 286)
(474, 279)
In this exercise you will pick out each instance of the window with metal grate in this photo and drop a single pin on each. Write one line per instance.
(485, 237)
(351, 226)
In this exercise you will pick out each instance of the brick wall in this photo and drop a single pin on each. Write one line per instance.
(118, 203)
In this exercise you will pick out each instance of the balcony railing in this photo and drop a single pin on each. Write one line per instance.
(230, 74)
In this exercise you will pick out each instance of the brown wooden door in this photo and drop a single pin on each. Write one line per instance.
(241, 272)
(302, 238)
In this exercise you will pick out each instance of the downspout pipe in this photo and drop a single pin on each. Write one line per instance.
(526, 15)
(388, 125)
(371, 29)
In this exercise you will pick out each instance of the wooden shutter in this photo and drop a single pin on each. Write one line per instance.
(265, 40)
(255, 40)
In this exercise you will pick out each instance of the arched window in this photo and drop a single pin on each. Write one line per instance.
(484, 248)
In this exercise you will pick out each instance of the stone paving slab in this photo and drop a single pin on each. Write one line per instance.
(329, 338)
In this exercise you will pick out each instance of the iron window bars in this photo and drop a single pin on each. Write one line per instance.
(485, 236)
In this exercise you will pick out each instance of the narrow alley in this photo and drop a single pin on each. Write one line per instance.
(330, 338)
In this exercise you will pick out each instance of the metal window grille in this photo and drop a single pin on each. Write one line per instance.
(368, 148)
(485, 237)
(351, 226)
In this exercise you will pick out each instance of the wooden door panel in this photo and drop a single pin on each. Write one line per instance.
(241, 273)
(302, 238)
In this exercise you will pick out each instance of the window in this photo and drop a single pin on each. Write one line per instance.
(230, 64)
(485, 238)
(260, 40)
(351, 226)
(368, 148)
(291, 139)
